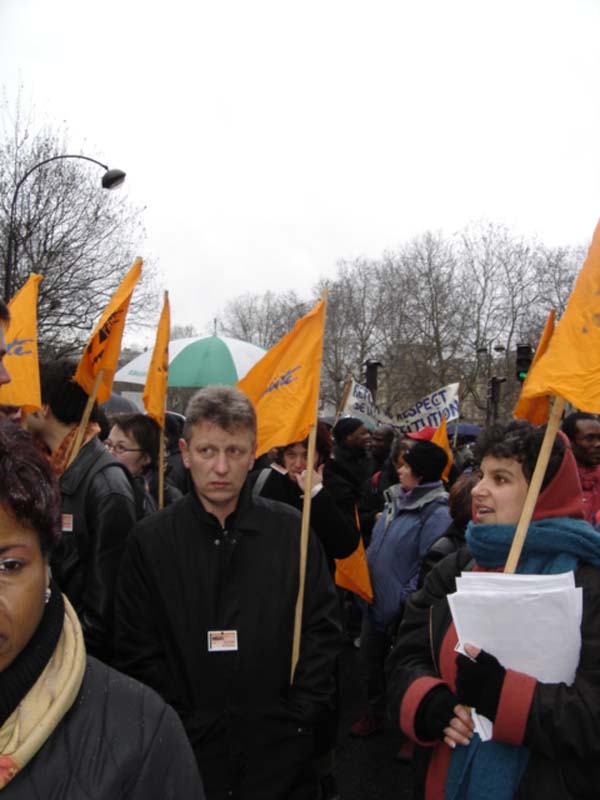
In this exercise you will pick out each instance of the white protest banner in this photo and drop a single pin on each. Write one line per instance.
(359, 403)
(428, 411)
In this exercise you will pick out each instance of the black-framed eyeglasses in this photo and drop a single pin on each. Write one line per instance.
(119, 448)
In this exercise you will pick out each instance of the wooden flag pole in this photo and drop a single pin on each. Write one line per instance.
(535, 485)
(86, 417)
(310, 460)
(310, 468)
(161, 469)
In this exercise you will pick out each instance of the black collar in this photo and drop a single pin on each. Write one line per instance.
(247, 515)
(18, 678)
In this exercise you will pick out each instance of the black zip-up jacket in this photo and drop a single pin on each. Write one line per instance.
(98, 512)
(183, 576)
(336, 530)
(347, 477)
(118, 741)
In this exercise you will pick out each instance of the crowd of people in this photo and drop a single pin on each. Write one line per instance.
(149, 652)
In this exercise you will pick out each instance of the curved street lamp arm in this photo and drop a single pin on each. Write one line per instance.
(43, 164)
(13, 206)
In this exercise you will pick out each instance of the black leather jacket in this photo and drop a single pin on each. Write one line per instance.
(98, 512)
(118, 741)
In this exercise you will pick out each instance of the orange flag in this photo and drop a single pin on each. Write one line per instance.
(284, 384)
(440, 437)
(21, 358)
(352, 572)
(536, 409)
(102, 350)
(570, 367)
(155, 390)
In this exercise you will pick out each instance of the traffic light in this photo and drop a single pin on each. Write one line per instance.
(524, 357)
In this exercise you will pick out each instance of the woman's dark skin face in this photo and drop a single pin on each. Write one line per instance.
(23, 582)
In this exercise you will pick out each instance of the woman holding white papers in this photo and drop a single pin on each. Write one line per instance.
(546, 736)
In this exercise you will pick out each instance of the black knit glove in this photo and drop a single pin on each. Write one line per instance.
(479, 683)
(434, 714)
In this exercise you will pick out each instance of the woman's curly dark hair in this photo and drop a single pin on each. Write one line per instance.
(521, 441)
(28, 486)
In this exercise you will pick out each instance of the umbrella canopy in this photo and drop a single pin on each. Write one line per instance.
(195, 362)
(119, 405)
(465, 429)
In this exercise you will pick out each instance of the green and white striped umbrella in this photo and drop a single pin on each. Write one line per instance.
(194, 363)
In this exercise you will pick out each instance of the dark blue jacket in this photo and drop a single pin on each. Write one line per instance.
(409, 525)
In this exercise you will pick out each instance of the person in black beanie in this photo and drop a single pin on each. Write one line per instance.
(427, 461)
(345, 427)
(415, 516)
(346, 474)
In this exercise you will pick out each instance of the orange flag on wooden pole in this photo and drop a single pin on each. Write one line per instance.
(536, 409)
(284, 384)
(155, 390)
(570, 367)
(101, 355)
(440, 437)
(352, 572)
(21, 358)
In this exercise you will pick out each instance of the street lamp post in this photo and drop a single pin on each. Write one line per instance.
(371, 371)
(110, 180)
(493, 382)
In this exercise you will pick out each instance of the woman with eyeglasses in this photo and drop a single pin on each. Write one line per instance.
(135, 440)
(70, 726)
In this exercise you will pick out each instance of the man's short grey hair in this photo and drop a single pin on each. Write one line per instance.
(224, 406)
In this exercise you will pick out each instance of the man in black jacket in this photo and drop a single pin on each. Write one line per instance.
(98, 506)
(205, 615)
(348, 474)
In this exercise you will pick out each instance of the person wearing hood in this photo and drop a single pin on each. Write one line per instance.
(546, 737)
(415, 516)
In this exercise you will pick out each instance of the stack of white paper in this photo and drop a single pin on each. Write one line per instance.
(530, 623)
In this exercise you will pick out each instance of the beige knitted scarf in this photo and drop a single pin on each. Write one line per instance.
(46, 703)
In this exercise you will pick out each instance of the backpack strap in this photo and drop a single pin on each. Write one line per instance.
(259, 483)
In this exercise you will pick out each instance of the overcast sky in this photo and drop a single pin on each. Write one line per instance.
(268, 139)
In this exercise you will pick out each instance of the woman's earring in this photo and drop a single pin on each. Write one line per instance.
(47, 595)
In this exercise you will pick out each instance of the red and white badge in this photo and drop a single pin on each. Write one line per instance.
(222, 641)
(67, 523)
